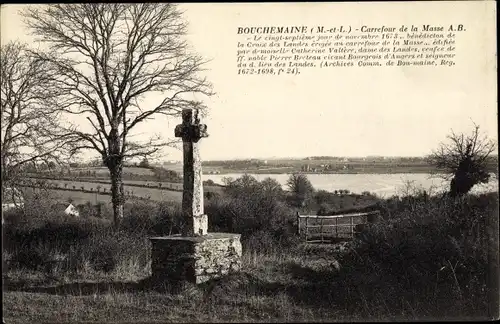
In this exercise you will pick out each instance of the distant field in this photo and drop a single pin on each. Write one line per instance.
(376, 168)
(147, 172)
(368, 166)
(142, 171)
(167, 192)
(281, 166)
(104, 170)
(130, 185)
(63, 196)
(83, 197)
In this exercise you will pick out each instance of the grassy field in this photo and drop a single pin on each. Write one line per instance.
(167, 192)
(89, 182)
(130, 184)
(306, 286)
(177, 167)
(79, 197)
(105, 171)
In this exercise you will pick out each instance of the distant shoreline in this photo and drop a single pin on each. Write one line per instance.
(318, 173)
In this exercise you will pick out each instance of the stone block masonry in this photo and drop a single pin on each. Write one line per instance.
(195, 259)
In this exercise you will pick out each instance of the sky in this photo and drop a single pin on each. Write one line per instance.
(338, 112)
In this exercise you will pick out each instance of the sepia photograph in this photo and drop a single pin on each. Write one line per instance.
(249, 162)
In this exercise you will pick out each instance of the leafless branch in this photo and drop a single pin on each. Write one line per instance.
(110, 56)
(464, 157)
(30, 112)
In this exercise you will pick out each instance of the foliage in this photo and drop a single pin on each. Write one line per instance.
(464, 160)
(301, 188)
(250, 207)
(162, 174)
(144, 163)
(431, 252)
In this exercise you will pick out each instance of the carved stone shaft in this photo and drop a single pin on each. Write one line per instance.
(192, 197)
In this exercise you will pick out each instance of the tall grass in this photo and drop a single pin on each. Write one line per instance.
(426, 256)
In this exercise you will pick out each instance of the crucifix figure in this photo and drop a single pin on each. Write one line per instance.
(191, 131)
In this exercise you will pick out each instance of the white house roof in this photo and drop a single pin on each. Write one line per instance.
(71, 210)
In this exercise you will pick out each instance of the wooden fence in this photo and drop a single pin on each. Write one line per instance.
(326, 228)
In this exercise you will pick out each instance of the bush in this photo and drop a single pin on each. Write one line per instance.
(323, 197)
(161, 174)
(253, 207)
(168, 219)
(119, 251)
(301, 190)
(138, 217)
(429, 252)
(76, 246)
(211, 195)
(260, 241)
(209, 182)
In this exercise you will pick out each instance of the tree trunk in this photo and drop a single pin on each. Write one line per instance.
(117, 195)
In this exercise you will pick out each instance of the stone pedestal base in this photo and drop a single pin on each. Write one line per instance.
(195, 259)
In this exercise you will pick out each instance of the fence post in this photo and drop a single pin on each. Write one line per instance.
(298, 223)
(336, 228)
(352, 227)
(307, 229)
(321, 229)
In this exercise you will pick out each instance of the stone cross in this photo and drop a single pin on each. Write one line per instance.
(191, 131)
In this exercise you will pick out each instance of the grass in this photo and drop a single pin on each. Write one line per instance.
(141, 189)
(297, 287)
(263, 292)
(79, 197)
(88, 183)
(105, 171)
(425, 258)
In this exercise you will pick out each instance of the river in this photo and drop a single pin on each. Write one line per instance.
(384, 185)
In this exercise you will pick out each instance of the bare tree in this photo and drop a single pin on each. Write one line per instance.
(109, 58)
(29, 114)
(464, 160)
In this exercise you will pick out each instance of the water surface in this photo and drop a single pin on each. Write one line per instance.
(384, 185)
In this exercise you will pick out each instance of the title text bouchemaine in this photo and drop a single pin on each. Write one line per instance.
(305, 46)
(303, 30)
(273, 30)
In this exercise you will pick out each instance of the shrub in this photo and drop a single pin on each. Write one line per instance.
(211, 195)
(251, 206)
(430, 252)
(301, 189)
(260, 241)
(209, 182)
(76, 246)
(322, 197)
(168, 219)
(111, 250)
(161, 174)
